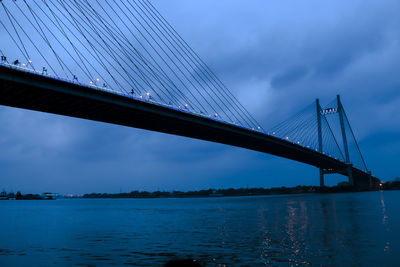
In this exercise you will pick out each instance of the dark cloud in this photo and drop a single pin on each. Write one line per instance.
(288, 77)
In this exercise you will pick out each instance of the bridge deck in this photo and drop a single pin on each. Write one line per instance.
(28, 90)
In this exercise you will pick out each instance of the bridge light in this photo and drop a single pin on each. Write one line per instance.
(328, 111)
(91, 82)
(298, 142)
(287, 137)
(97, 79)
(273, 132)
(148, 93)
(258, 127)
(30, 61)
(216, 115)
(23, 64)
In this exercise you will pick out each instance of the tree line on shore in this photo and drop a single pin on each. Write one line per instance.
(19, 196)
(226, 192)
(393, 185)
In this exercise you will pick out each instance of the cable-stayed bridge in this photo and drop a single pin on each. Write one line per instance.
(121, 62)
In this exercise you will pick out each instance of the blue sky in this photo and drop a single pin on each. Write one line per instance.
(276, 57)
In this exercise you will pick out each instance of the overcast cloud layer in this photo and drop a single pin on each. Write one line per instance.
(276, 56)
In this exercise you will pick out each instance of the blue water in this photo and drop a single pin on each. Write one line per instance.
(357, 229)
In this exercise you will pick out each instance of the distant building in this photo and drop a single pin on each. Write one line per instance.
(48, 195)
(3, 195)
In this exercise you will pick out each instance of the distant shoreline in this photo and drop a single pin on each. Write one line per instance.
(240, 192)
(230, 192)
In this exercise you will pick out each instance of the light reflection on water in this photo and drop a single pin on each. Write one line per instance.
(355, 229)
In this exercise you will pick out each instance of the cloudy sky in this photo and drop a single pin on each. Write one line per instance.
(276, 56)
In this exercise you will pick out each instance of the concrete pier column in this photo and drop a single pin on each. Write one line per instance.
(321, 178)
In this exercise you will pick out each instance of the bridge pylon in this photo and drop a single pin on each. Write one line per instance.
(349, 166)
(326, 132)
(320, 148)
(340, 111)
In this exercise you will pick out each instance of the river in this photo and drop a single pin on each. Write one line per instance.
(349, 229)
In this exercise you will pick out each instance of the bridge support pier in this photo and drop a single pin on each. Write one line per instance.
(348, 170)
(350, 174)
(321, 178)
(371, 185)
(322, 173)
